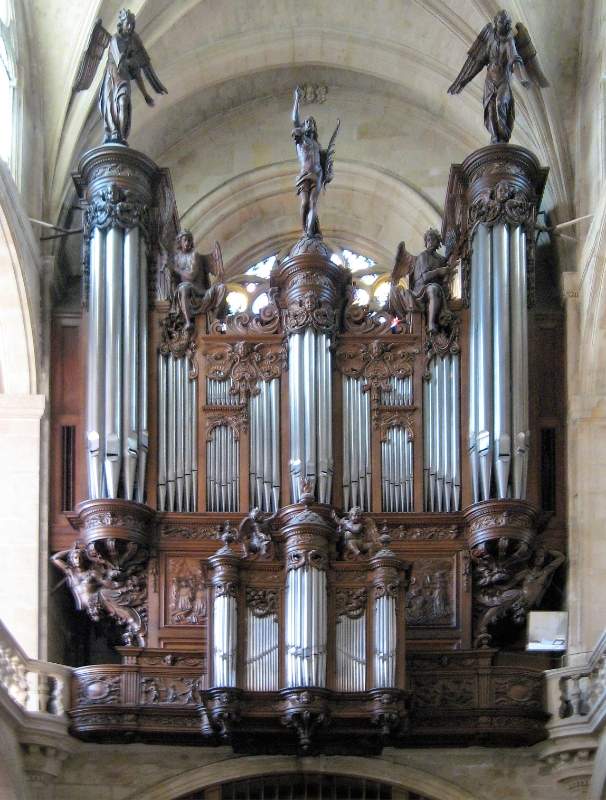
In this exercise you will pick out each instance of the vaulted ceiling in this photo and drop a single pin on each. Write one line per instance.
(224, 128)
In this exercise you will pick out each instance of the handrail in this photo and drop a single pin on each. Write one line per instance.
(36, 686)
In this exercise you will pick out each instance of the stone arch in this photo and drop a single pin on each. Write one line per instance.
(234, 769)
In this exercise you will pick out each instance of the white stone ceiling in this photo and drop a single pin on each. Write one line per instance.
(224, 128)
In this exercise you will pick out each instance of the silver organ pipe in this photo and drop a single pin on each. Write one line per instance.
(442, 478)
(130, 378)
(397, 471)
(261, 652)
(385, 633)
(142, 374)
(222, 470)
(113, 354)
(225, 626)
(350, 650)
(306, 627)
(498, 408)
(177, 435)
(501, 358)
(310, 396)
(356, 445)
(264, 461)
(519, 360)
(96, 366)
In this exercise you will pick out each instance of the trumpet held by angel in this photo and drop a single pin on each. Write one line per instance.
(504, 54)
(127, 60)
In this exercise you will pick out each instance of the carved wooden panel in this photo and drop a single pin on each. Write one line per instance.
(430, 598)
(186, 592)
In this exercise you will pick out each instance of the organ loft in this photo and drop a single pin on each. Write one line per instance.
(318, 527)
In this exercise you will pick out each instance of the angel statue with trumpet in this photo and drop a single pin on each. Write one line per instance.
(502, 53)
(127, 58)
(316, 166)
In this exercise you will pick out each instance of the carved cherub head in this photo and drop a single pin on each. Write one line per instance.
(126, 22)
(185, 240)
(432, 239)
(112, 193)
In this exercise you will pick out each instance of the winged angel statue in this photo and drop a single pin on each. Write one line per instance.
(502, 53)
(126, 59)
(316, 166)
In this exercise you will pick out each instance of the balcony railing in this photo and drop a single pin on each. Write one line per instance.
(35, 686)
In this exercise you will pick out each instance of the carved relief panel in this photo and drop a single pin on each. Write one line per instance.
(185, 593)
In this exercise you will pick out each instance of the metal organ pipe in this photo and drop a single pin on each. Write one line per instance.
(498, 408)
(142, 374)
(310, 396)
(130, 376)
(113, 353)
(96, 366)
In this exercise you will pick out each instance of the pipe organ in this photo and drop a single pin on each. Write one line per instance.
(299, 561)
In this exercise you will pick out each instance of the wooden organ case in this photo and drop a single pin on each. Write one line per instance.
(314, 527)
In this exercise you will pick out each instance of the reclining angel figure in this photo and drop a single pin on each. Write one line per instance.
(502, 53)
(126, 59)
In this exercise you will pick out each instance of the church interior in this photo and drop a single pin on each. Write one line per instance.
(302, 314)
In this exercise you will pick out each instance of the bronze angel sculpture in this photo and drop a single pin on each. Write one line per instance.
(126, 59)
(502, 53)
(316, 166)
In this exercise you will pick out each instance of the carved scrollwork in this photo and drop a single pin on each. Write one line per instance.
(246, 364)
(262, 602)
(266, 321)
(395, 419)
(308, 311)
(227, 589)
(168, 532)
(360, 319)
(237, 421)
(295, 559)
(351, 603)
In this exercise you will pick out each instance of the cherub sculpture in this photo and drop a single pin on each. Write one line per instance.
(126, 59)
(502, 53)
(255, 534)
(194, 293)
(427, 275)
(355, 532)
(316, 166)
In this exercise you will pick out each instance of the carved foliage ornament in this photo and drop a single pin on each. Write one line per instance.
(503, 203)
(404, 533)
(360, 319)
(398, 419)
(308, 311)
(295, 559)
(178, 341)
(266, 321)
(238, 422)
(351, 603)
(246, 364)
(376, 363)
(262, 602)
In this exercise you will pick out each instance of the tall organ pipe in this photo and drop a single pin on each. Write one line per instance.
(113, 351)
(96, 366)
(501, 358)
(142, 373)
(130, 373)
